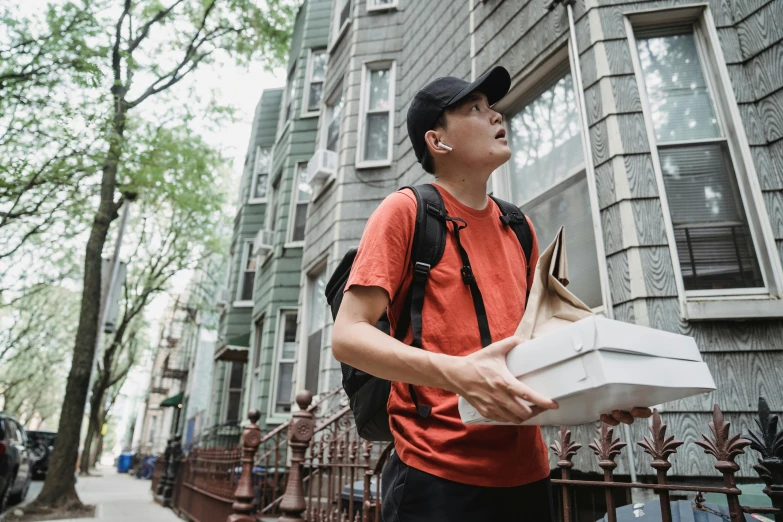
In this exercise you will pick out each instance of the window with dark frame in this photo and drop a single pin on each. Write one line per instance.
(236, 378)
(714, 243)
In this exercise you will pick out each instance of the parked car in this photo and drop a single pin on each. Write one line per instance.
(15, 469)
(41, 444)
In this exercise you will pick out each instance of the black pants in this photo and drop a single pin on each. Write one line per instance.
(411, 495)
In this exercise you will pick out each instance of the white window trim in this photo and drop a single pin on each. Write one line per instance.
(226, 394)
(255, 371)
(272, 416)
(501, 178)
(383, 7)
(239, 302)
(272, 204)
(308, 80)
(320, 187)
(715, 304)
(304, 320)
(290, 243)
(368, 66)
(283, 124)
(339, 32)
(254, 180)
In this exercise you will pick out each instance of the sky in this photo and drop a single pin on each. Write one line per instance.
(240, 87)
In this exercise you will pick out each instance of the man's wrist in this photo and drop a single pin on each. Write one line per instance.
(448, 369)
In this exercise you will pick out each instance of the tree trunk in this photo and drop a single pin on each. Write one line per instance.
(94, 427)
(96, 455)
(59, 489)
(97, 449)
(93, 430)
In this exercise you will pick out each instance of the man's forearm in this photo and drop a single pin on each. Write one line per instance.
(366, 348)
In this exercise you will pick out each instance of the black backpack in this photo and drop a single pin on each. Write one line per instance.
(368, 395)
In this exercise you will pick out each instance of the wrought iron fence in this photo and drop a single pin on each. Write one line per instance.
(334, 475)
(328, 473)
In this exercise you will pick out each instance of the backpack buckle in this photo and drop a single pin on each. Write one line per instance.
(421, 271)
(510, 218)
(467, 275)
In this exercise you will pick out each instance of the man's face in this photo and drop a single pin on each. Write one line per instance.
(476, 133)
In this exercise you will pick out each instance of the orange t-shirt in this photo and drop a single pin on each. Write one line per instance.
(497, 456)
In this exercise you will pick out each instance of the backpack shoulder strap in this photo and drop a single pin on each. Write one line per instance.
(513, 217)
(429, 243)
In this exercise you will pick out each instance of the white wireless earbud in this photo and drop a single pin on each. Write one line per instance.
(444, 146)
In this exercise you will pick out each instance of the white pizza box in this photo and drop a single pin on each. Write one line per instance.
(596, 365)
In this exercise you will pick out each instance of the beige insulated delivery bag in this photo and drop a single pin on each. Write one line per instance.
(589, 364)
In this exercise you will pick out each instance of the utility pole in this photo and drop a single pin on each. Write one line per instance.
(108, 291)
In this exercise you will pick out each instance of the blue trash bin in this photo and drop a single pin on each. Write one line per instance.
(124, 462)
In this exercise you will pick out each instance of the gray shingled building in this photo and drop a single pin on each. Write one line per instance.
(652, 130)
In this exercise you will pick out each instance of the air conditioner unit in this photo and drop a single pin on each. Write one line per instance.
(263, 242)
(322, 165)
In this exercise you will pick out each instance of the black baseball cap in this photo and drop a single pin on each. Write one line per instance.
(430, 102)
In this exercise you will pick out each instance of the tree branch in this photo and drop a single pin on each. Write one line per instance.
(145, 29)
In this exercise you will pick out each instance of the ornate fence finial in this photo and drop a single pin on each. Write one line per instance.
(605, 448)
(565, 448)
(659, 447)
(725, 449)
(768, 441)
(251, 438)
(722, 447)
(300, 431)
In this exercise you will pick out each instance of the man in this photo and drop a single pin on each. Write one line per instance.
(441, 469)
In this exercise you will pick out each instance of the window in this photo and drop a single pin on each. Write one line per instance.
(314, 87)
(301, 198)
(235, 391)
(153, 427)
(334, 111)
(381, 5)
(286, 356)
(714, 242)
(271, 209)
(257, 345)
(288, 97)
(260, 179)
(315, 330)
(247, 275)
(342, 15)
(547, 179)
(375, 120)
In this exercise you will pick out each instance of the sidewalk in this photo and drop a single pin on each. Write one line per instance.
(120, 498)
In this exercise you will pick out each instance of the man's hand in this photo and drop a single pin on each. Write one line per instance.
(626, 417)
(484, 380)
